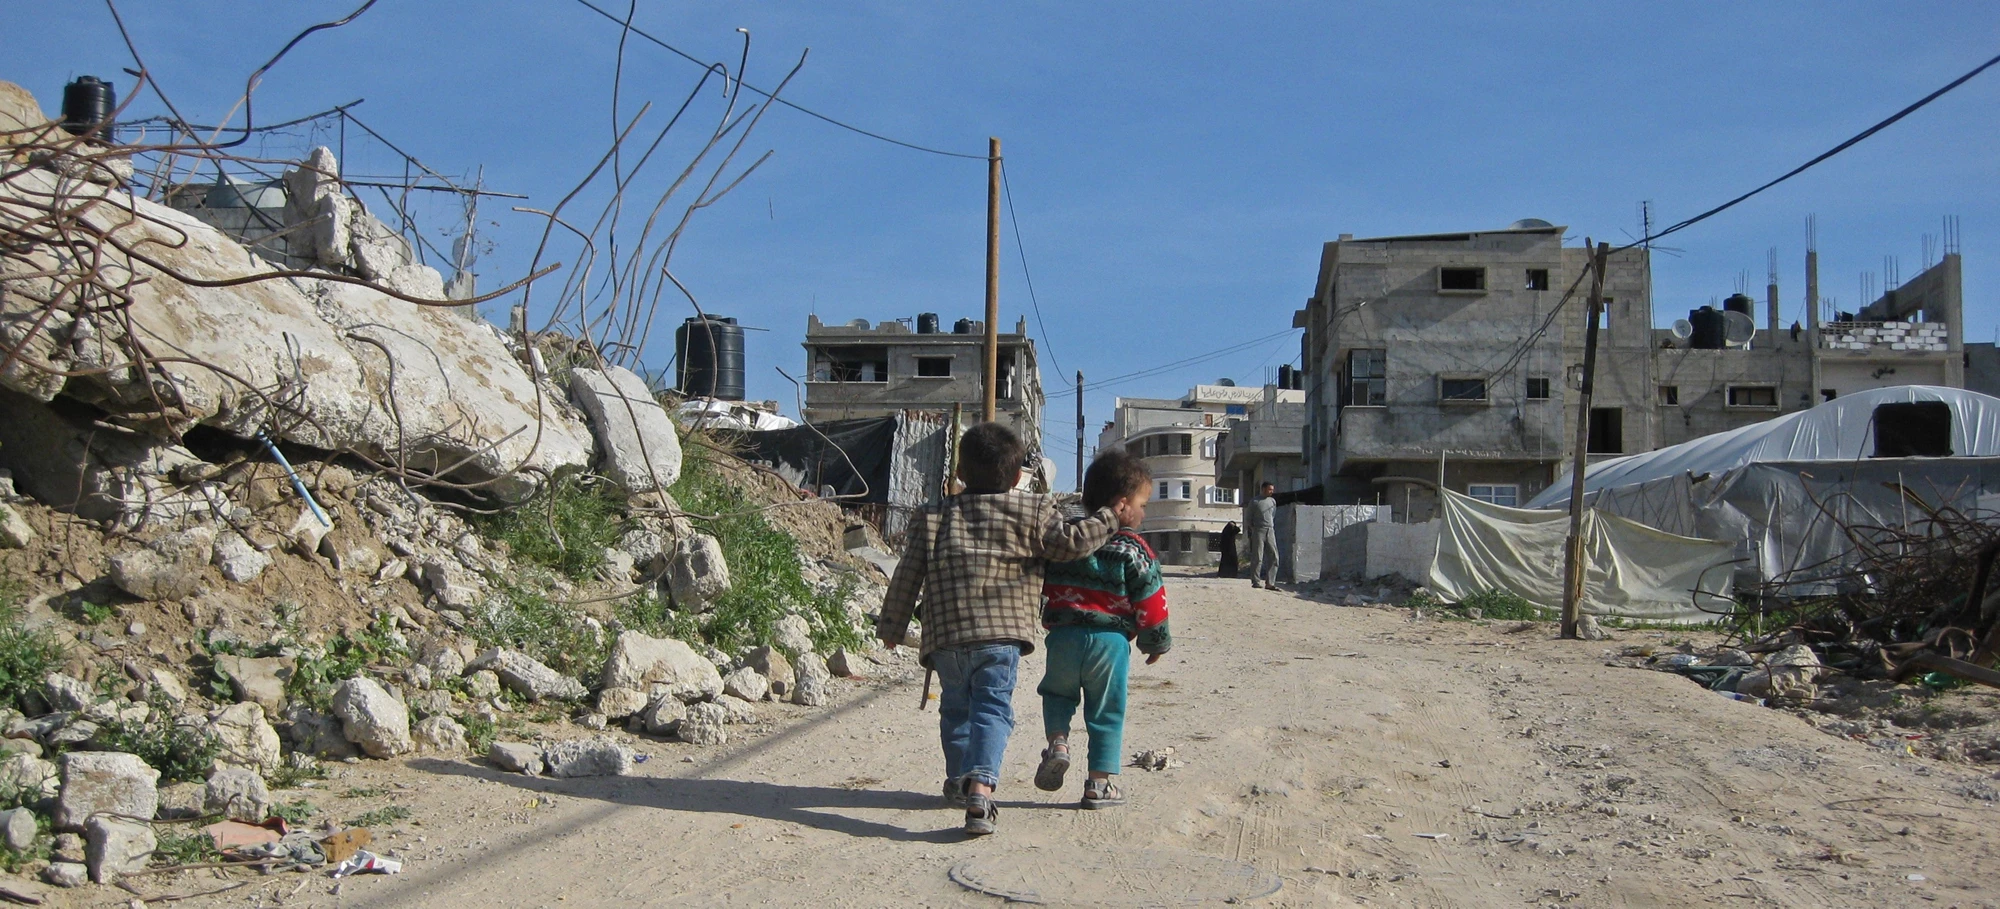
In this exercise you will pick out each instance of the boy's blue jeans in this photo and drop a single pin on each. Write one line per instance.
(976, 708)
(1087, 666)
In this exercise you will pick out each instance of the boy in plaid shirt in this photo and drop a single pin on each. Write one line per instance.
(977, 559)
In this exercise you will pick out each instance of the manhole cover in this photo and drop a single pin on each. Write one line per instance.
(1114, 878)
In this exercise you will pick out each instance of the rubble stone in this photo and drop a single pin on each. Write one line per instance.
(17, 828)
(238, 794)
(638, 445)
(112, 847)
(515, 757)
(104, 781)
(67, 847)
(812, 685)
(619, 703)
(587, 757)
(14, 530)
(663, 716)
(29, 775)
(67, 694)
(845, 665)
(740, 712)
(317, 734)
(699, 573)
(483, 684)
(66, 874)
(246, 737)
(528, 677)
(258, 680)
(703, 725)
(647, 549)
(444, 662)
(441, 735)
(746, 683)
(426, 704)
(239, 561)
(640, 662)
(372, 719)
(1589, 629)
(793, 635)
(167, 569)
(771, 664)
(182, 800)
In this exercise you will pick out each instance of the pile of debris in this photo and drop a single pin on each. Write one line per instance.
(247, 526)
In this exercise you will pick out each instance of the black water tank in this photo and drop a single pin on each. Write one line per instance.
(710, 354)
(1285, 376)
(927, 323)
(1741, 303)
(88, 103)
(962, 327)
(1710, 329)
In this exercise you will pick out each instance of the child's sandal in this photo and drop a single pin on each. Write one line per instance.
(1055, 763)
(1102, 794)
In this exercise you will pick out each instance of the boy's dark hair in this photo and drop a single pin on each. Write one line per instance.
(1114, 474)
(989, 457)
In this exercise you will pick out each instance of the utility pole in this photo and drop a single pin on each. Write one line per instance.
(989, 409)
(1573, 567)
(1079, 430)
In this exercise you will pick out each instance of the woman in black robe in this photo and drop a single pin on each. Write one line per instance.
(1229, 534)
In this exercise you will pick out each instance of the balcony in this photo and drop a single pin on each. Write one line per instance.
(1250, 441)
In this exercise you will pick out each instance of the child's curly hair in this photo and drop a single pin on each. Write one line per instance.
(1114, 474)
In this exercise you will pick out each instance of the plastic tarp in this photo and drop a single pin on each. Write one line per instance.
(1839, 430)
(1631, 570)
(852, 457)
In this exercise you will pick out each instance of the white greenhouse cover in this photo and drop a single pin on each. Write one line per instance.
(1839, 430)
(1630, 570)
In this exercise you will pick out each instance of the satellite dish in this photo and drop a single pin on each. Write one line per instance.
(1683, 329)
(1738, 329)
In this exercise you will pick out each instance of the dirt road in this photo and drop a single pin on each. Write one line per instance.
(1362, 758)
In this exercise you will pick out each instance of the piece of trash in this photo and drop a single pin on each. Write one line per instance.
(1916, 877)
(365, 862)
(640, 758)
(1157, 759)
(232, 834)
(341, 846)
(1432, 836)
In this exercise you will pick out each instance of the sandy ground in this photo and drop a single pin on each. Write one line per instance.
(1321, 745)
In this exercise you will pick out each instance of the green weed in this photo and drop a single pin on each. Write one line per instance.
(294, 812)
(321, 669)
(180, 753)
(296, 772)
(565, 527)
(364, 792)
(14, 861)
(178, 848)
(479, 733)
(523, 618)
(387, 814)
(1503, 604)
(27, 655)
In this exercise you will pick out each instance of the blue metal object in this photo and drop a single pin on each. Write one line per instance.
(298, 485)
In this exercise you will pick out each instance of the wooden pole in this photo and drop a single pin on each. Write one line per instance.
(1573, 567)
(990, 406)
(1079, 430)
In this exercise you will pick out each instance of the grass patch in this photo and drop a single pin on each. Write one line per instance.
(321, 669)
(1503, 604)
(479, 733)
(294, 812)
(564, 528)
(387, 814)
(765, 579)
(178, 848)
(180, 753)
(27, 655)
(522, 617)
(364, 792)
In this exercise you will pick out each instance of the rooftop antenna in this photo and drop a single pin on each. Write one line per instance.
(1646, 223)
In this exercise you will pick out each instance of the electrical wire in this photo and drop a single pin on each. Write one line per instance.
(801, 109)
(1007, 189)
(1913, 108)
(1177, 364)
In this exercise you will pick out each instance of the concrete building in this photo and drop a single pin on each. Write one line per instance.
(858, 369)
(1452, 359)
(1265, 444)
(1180, 440)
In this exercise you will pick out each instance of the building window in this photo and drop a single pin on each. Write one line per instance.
(1462, 280)
(1607, 431)
(1221, 495)
(1367, 378)
(1538, 388)
(1497, 494)
(934, 367)
(864, 365)
(1162, 490)
(1186, 541)
(1604, 316)
(1471, 391)
(1753, 396)
(1208, 447)
(1215, 542)
(1174, 490)
(1538, 279)
(1187, 490)
(1670, 395)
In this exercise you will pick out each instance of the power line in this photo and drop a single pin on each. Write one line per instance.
(1177, 364)
(1007, 188)
(1933, 96)
(804, 110)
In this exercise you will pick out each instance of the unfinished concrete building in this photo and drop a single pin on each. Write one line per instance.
(863, 369)
(1443, 359)
(1266, 443)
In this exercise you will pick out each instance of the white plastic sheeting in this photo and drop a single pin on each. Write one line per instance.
(730, 415)
(1838, 430)
(1631, 570)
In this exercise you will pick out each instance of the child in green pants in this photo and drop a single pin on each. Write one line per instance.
(1094, 608)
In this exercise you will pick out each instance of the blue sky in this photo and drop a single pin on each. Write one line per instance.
(1175, 166)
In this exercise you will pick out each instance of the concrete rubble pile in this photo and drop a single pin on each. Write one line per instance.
(187, 548)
